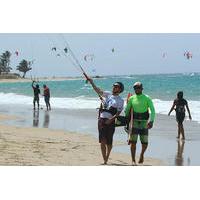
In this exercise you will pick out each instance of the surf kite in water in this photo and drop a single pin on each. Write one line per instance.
(16, 53)
(164, 55)
(113, 50)
(188, 55)
(89, 57)
(53, 48)
(65, 50)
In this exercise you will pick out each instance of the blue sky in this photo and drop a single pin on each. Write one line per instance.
(133, 53)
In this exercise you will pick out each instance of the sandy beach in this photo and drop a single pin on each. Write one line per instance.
(69, 137)
(41, 146)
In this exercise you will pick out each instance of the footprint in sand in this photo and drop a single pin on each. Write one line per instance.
(76, 147)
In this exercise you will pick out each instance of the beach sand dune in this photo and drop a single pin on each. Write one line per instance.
(41, 146)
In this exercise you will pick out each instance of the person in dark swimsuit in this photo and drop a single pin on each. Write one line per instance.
(36, 90)
(179, 105)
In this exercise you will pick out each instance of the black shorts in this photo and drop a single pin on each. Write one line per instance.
(180, 117)
(36, 99)
(106, 132)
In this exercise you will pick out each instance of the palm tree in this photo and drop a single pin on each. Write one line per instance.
(1, 66)
(24, 66)
(5, 62)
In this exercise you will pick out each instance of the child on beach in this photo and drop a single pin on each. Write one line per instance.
(112, 107)
(179, 105)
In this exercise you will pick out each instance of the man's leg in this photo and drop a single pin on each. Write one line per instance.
(144, 147)
(49, 106)
(34, 104)
(144, 142)
(109, 148)
(46, 104)
(133, 151)
(133, 141)
(38, 104)
(103, 150)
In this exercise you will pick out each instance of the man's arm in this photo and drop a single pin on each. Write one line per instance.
(109, 121)
(33, 84)
(97, 90)
(128, 107)
(152, 117)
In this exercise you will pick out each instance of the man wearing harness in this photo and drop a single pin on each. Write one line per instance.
(140, 104)
(112, 105)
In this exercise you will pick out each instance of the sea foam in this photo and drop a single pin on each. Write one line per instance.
(81, 102)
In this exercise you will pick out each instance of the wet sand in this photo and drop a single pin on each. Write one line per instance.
(42, 146)
(163, 145)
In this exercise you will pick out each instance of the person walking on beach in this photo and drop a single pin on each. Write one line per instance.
(112, 106)
(179, 105)
(36, 90)
(140, 105)
(46, 95)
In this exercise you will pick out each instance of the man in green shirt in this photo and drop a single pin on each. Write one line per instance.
(139, 105)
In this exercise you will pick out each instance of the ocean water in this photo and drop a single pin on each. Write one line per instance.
(76, 94)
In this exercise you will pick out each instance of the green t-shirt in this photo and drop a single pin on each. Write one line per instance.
(140, 104)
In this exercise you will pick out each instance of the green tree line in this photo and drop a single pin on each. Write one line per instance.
(24, 66)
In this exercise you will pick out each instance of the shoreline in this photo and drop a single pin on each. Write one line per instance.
(41, 146)
(22, 80)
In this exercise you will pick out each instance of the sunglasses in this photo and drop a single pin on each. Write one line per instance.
(137, 87)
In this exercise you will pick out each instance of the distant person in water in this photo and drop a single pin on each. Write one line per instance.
(36, 90)
(47, 97)
(179, 105)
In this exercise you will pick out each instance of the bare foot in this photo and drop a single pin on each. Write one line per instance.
(134, 163)
(141, 160)
(105, 162)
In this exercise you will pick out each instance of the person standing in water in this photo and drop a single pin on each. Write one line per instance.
(112, 106)
(47, 97)
(36, 90)
(179, 105)
(139, 104)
